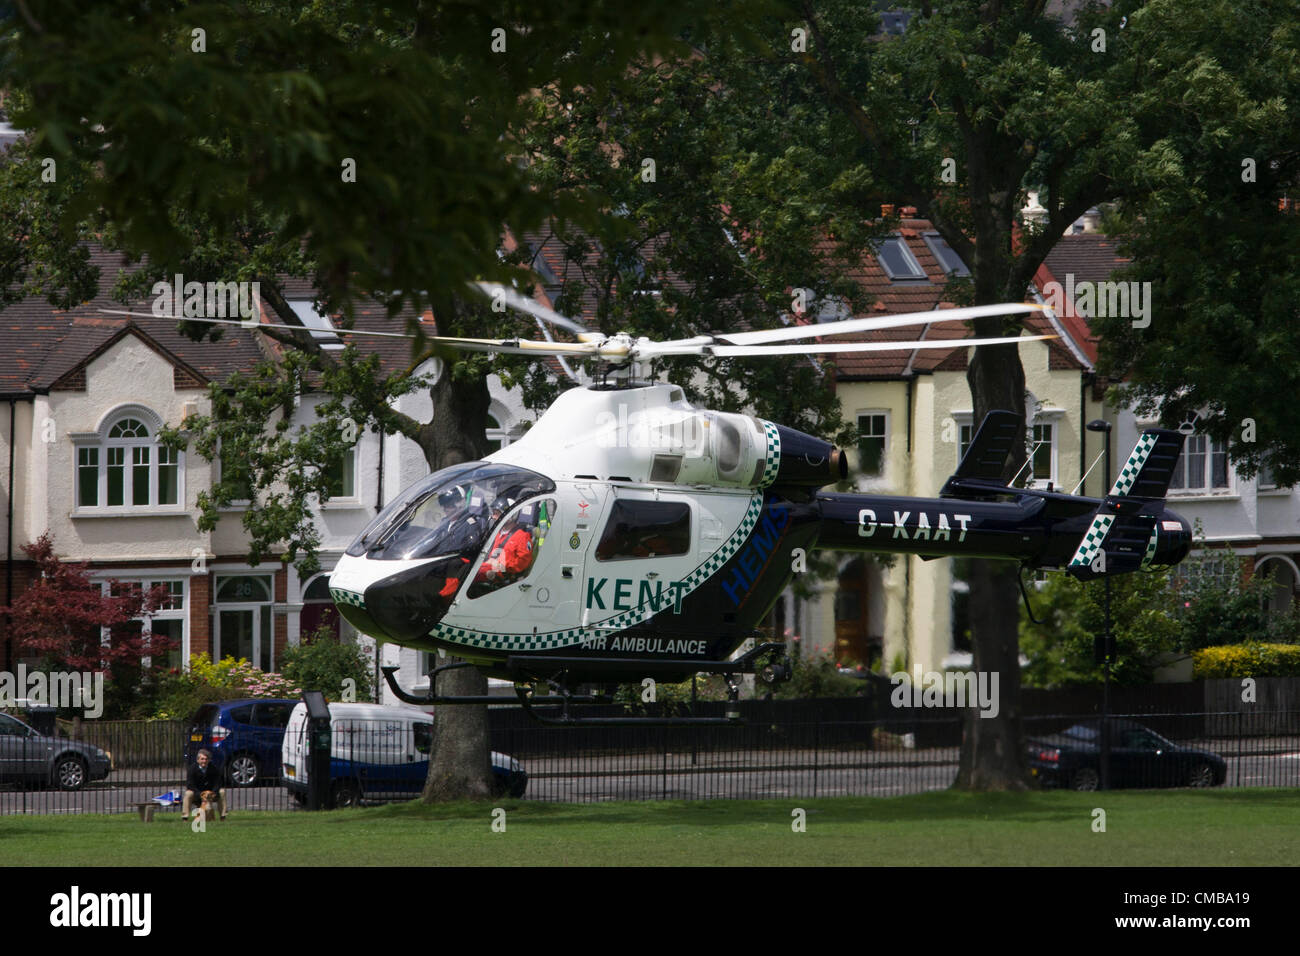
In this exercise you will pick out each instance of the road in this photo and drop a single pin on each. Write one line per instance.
(654, 776)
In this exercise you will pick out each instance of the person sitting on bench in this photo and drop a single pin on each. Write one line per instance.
(203, 778)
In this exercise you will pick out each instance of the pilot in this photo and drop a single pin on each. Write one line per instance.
(512, 551)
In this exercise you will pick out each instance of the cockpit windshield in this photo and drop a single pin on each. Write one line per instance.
(449, 512)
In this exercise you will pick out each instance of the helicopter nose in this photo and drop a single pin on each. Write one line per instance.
(403, 606)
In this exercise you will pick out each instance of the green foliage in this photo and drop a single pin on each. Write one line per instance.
(1246, 660)
(322, 663)
(1223, 80)
(1060, 649)
(1204, 604)
(181, 693)
(671, 698)
(1218, 608)
(818, 676)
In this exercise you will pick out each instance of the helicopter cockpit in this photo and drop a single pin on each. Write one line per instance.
(411, 560)
(449, 512)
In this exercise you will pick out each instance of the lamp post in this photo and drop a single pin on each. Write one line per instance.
(1107, 649)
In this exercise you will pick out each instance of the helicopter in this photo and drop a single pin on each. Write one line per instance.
(629, 534)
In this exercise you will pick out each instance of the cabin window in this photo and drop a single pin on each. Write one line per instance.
(513, 551)
(645, 529)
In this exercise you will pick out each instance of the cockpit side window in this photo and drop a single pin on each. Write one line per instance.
(645, 529)
(514, 548)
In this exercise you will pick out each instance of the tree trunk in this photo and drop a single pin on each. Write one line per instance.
(992, 754)
(459, 766)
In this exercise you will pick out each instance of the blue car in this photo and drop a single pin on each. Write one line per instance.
(244, 737)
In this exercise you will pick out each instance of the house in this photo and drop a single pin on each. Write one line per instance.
(914, 415)
(87, 395)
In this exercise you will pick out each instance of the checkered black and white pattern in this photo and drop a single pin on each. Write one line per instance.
(772, 456)
(1128, 474)
(1092, 541)
(1101, 524)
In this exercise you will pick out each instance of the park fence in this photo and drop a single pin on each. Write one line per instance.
(782, 749)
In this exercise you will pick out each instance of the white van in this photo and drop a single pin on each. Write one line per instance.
(377, 752)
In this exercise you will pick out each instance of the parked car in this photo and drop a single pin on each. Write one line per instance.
(27, 756)
(1139, 757)
(378, 751)
(244, 737)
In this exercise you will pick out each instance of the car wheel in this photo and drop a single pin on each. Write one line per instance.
(243, 770)
(1085, 778)
(70, 773)
(1202, 775)
(347, 793)
(518, 784)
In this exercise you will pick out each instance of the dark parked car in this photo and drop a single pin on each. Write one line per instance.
(34, 758)
(244, 737)
(1139, 757)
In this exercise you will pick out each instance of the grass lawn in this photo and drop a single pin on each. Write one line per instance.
(1174, 828)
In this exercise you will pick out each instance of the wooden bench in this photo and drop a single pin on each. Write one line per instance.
(146, 810)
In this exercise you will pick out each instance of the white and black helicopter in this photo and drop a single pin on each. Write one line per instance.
(629, 535)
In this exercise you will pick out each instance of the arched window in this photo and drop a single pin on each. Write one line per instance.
(124, 466)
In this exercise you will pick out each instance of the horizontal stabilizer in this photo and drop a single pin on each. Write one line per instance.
(1122, 536)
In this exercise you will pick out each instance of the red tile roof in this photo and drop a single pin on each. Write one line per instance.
(40, 344)
(895, 298)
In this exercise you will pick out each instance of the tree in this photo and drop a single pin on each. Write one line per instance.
(1217, 235)
(352, 145)
(1144, 622)
(68, 620)
(975, 103)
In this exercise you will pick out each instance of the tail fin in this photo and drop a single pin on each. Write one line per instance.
(980, 470)
(1122, 536)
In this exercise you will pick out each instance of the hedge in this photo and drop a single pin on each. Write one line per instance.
(1246, 660)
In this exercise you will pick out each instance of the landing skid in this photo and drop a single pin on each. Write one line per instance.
(770, 671)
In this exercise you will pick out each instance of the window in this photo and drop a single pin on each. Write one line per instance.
(515, 544)
(949, 261)
(168, 619)
(645, 529)
(341, 477)
(871, 443)
(897, 260)
(1203, 466)
(322, 329)
(236, 472)
(965, 434)
(127, 468)
(496, 435)
(1041, 451)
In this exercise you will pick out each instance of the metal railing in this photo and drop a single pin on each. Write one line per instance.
(783, 749)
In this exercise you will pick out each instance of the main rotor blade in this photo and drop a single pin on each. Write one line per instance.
(251, 325)
(516, 301)
(517, 346)
(829, 348)
(874, 324)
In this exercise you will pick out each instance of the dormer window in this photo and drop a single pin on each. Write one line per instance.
(897, 260)
(123, 467)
